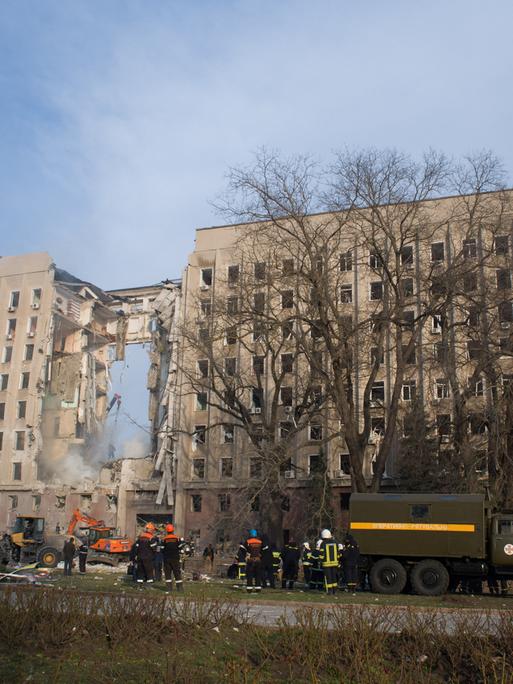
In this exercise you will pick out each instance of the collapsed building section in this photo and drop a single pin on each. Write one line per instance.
(60, 338)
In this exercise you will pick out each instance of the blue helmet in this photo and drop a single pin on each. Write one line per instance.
(252, 533)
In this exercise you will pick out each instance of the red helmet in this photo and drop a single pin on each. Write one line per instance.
(170, 528)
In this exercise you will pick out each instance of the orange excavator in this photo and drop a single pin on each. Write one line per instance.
(104, 546)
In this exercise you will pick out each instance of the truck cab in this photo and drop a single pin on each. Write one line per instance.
(501, 543)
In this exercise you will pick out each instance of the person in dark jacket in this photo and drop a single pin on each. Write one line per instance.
(68, 553)
(290, 558)
(306, 561)
(316, 571)
(82, 557)
(253, 548)
(158, 561)
(208, 555)
(171, 547)
(350, 558)
(146, 547)
(267, 564)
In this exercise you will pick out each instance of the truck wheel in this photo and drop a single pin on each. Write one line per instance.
(48, 557)
(387, 576)
(429, 578)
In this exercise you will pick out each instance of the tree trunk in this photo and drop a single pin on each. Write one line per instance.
(271, 516)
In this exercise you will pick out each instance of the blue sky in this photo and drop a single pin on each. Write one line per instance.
(120, 118)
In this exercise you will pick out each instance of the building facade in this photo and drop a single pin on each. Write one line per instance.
(427, 309)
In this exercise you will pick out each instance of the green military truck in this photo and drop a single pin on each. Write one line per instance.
(430, 541)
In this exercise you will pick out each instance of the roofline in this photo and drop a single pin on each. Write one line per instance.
(172, 281)
(339, 211)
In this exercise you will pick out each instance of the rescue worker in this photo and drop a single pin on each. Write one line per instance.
(316, 571)
(171, 548)
(158, 560)
(82, 557)
(145, 553)
(241, 562)
(276, 562)
(328, 550)
(68, 553)
(290, 557)
(350, 558)
(267, 564)
(306, 561)
(253, 547)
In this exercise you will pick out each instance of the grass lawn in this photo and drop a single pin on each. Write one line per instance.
(99, 580)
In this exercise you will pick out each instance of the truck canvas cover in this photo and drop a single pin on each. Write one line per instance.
(444, 525)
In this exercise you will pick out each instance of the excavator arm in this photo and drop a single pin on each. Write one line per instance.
(78, 516)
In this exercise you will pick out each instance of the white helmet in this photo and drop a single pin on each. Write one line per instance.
(325, 534)
(306, 545)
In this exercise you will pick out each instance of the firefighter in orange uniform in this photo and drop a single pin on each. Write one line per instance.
(171, 546)
(146, 546)
(253, 548)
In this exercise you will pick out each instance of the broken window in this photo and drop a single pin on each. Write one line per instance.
(437, 251)
(198, 468)
(201, 401)
(231, 335)
(377, 355)
(287, 363)
(346, 293)
(11, 329)
(31, 326)
(255, 467)
(315, 330)
(439, 352)
(314, 464)
(503, 279)
(13, 498)
(288, 267)
(473, 350)
(36, 502)
(21, 410)
(287, 330)
(19, 440)
(407, 256)
(476, 386)
(14, 300)
(206, 277)
(408, 356)
(203, 368)
(409, 390)
(196, 503)
(205, 308)
(470, 282)
(470, 248)
(7, 355)
(200, 434)
(505, 311)
(60, 501)
(86, 501)
(501, 245)
(477, 423)
(286, 396)
(260, 270)
(257, 396)
(4, 381)
(406, 285)
(346, 261)
(315, 432)
(377, 393)
(16, 471)
(287, 299)
(203, 335)
(258, 363)
(227, 467)
(233, 274)
(228, 433)
(259, 302)
(232, 306)
(375, 259)
(344, 463)
(24, 380)
(441, 389)
(29, 352)
(224, 502)
(376, 291)
(443, 424)
(36, 298)
(230, 366)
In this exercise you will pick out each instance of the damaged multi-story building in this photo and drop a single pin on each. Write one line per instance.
(60, 337)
